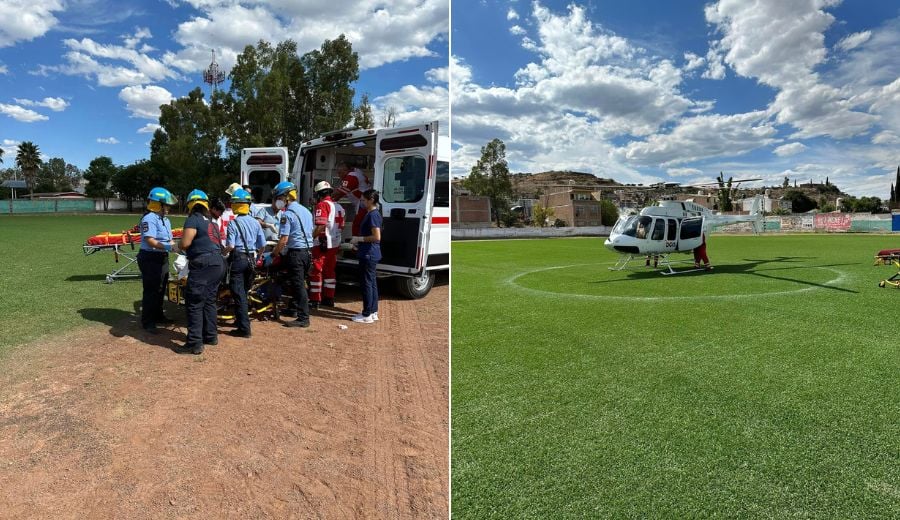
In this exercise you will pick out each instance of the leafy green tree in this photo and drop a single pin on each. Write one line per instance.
(724, 194)
(800, 202)
(330, 71)
(134, 181)
(362, 114)
(99, 175)
(28, 159)
(1, 155)
(57, 175)
(186, 148)
(609, 213)
(490, 178)
(786, 183)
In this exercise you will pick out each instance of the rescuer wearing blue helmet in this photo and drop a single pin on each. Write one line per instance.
(153, 258)
(206, 266)
(245, 240)
(295, 232)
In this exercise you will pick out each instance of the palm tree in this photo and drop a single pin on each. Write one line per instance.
(1, 155)
(28, 159)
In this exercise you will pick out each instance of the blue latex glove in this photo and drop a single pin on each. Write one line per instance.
(167, 247)
(267, 259)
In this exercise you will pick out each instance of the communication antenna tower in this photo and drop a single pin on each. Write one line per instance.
(212, 75)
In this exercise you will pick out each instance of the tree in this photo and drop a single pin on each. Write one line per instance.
(893, 195)
(57, 175)
(28, 159)
(186, 148)
(786, 183)
(330, 71)
(800, 202)
(542, 216)
(609, 213)
(724, 194)
(134, 181)
(389, 117)
(490, 178)
(99, 174)
(362, 114)
(1, 155)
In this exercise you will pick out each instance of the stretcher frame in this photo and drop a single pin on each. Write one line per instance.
(129, 269)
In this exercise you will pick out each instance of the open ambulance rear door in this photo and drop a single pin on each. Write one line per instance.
(405, 167)
(262, 169)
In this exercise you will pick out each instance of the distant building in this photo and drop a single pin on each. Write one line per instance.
(573, 205)
(471, 211)
(707, 201)
(770, 205)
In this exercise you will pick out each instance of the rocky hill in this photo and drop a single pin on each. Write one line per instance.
(530, 184)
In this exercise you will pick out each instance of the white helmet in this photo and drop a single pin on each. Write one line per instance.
(233, 188)
(322, 185)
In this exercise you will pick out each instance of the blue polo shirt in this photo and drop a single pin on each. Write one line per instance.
(245, 227)
(370, 249)
(156, 226)
(297, 225)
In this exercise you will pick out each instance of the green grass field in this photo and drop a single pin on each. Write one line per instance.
(47, 280)
(768, 388)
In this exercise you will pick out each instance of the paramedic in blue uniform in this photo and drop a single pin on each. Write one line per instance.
(296, 226)
(153, 258)
(206, 266)
(245, 240)
(369, 253)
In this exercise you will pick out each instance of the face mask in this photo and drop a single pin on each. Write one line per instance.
(279, 204)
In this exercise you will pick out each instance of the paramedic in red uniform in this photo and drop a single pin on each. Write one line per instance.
(353, 183)
(329, 222)
(700, 255)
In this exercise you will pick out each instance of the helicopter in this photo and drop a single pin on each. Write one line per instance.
(671, 226)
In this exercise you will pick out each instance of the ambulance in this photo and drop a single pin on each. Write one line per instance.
(409, 166)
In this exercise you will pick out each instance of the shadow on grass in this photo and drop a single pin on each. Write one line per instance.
(750, 267)
(123, 323)
(86, 278)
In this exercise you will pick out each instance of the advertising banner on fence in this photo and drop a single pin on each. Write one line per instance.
(833, 221)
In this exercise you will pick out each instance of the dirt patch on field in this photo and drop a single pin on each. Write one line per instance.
(107, 422)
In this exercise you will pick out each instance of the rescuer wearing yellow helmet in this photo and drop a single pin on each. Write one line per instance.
(245, 240)
(153, 258)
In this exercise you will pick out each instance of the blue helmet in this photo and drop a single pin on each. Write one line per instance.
(241, 196)
(163, 196)
(283, 188)
(196, 196)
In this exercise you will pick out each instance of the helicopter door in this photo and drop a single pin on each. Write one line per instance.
(691, 235)
(671, 234)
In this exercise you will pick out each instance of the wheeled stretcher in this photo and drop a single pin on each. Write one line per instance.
(124, 246)
(887, 256)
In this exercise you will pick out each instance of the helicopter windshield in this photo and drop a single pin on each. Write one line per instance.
(633, 226)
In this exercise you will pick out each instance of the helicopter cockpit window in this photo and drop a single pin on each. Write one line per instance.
(624, 224)
(659, 230)
(643, 226)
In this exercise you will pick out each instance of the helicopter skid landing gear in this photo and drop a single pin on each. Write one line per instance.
(664, 260)
(622, 262)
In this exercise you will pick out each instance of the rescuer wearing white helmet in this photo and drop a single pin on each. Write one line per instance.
(353, 183)
(329, 222)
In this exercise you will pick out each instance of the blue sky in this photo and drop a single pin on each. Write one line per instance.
(83, 78)
(646, 91)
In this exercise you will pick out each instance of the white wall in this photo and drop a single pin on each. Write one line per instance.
(530, 232)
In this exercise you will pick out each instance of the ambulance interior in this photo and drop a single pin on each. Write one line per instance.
(404, 182)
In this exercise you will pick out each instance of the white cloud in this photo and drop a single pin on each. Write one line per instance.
(53, 103)
(3, 69)
(854, 40)
(439, 75)
(149, 128)
(693, 61)
(107, 140)
(684, 172)
(21, 114)
(141, 33)
(702, 137)
(380, 32)
(512, 14)
(24, 20)
(786, 150)
(886, 137)
(715, 69)
(145, 101)
(10, 147)
(517, 30)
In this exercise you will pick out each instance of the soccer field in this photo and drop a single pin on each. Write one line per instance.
(47, 279)
(767, 388)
